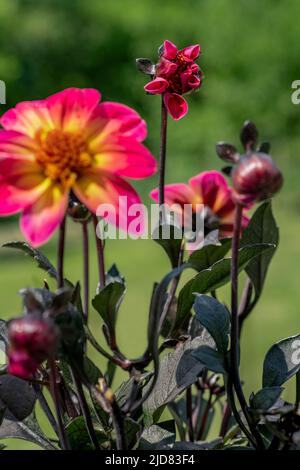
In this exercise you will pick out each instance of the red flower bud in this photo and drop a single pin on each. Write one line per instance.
(35, 336)
(255, 178)
(21, 364)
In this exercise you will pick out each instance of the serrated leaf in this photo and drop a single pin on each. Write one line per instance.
(262, 228)
(178, 370)
(214, 277)
(158, 436)
(215, 317)
(265, 398)
(282, 361)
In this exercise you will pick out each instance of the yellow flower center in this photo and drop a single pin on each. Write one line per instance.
(63, 155)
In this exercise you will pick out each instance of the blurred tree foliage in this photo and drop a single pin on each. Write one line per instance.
(250, 58)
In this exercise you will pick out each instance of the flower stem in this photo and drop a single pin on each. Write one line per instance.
(45, 407)
(84, 408)
(85, 237)
(100, 255)
(60, 253)
(234, 349)
(118, 423)
(189, 413)
(162, 154)
(56, 398)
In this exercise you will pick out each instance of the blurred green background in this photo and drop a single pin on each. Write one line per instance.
(250, 57)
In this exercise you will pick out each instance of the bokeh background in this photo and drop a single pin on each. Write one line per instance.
(250, 57)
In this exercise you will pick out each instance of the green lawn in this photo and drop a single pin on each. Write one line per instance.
(142, 263)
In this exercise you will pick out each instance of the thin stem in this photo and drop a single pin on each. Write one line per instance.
(85, 409)
(60, 253)
(162, 154)
(225, 419)
(100, 254)
(56, 398)
(189, 413)
(85, 236)
(118, 423)
(234, 350)
(45, 407)
(205, 418)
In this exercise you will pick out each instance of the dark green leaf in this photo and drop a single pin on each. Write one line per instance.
(211, 359)
(158, 436)
(215, 317)
(178, 370)
(208, 255)
(265, 398)
(107, 303)
(169, 237)
(261, 229)
(91, 370)
(78, 435)
(282, 361)
(216, 276)
(17, 397)
(132, 431)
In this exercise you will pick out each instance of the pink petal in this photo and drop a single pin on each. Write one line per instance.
(98, 187)
(157, 86)
(166, 68)
(170, 50)
(212, 188)
(28, 117)
(191, 52)
(16, 143)
(41, 219)
(111, 118)
(21, 183)
(176, 193)
(189, 81)
(124, 156)
(70, 109)
(176, 105)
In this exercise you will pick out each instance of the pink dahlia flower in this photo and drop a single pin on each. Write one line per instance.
(209, 188)
(69, 142)
(175, 75)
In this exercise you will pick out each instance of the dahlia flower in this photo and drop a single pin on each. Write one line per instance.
(66, 142)
(210, 189)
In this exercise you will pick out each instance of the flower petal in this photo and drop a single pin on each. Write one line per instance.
(191, 52)
(97, 187)
(212, 188)
(21, 183)
(115, 118)
(70, 109)
(176, 104)
(170, 50)
(16, 143)
(28, 117)
(124, 156)
(40, 220)
(176, 193)
(157, 86)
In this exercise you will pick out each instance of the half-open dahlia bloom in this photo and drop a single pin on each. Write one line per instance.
(176, 74)
(210, 189)
(69, 142)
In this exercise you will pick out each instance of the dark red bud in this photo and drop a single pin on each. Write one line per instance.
(78, 211)
(255, 178)
(21, 364)
(35, 336)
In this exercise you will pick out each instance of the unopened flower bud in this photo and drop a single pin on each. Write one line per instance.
(35, 336)
(21, 364)
(77, 210)
(255, 178)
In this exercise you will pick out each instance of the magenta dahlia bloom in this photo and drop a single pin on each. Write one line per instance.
(66, 142)
(211, 189)
(176, 74)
